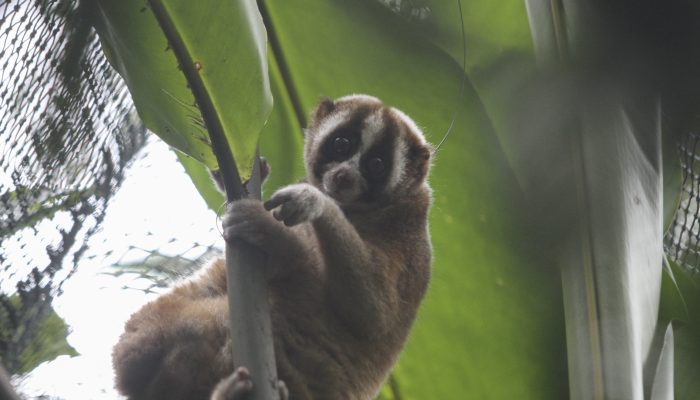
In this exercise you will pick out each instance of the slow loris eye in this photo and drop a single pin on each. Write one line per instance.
(341, 145)
(375, 166)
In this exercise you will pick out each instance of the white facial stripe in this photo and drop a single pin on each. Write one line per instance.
(371, 130)
(398, 170)
(359, 97)
(328, 126)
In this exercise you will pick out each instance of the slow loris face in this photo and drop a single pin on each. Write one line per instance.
(360, 151)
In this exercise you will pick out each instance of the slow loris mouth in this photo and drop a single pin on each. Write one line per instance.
(343, 191)
(343, 194)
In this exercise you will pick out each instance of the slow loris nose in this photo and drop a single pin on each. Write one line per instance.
(342, 179)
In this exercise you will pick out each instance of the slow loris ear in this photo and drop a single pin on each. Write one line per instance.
(322, 110)
(324, 107)
(419, 160)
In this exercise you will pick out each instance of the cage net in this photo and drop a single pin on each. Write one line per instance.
(69, 135)
(682, 241)
(67, 131)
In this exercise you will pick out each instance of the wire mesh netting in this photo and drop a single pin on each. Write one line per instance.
(682, 241)
(68, 135)
(67, 131)
(156, 231)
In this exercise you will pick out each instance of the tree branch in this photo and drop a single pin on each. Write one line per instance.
(251, 329)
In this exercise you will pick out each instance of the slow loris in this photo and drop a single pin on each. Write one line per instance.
(348, 258)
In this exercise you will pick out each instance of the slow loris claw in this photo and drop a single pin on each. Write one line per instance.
(239, 384)
(246, 220)
(297, 203)
(234, 387)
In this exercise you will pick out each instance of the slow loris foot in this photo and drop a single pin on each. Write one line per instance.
(238, 385)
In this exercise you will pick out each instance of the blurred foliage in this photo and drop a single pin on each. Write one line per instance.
(602, 207)
(46, 343)
(49, 343)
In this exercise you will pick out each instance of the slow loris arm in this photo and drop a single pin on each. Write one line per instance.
(356, 283)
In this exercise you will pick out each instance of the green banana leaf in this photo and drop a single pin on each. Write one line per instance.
(492, 324)
(605, 139)
(226, 43)
(48, 342)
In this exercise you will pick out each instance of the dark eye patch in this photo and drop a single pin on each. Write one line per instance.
(341, 144)
(376, 165)
(338, 146)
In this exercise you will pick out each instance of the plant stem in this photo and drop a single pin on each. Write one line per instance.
(250, 323)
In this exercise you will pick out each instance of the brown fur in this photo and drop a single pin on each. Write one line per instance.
(344, 291)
